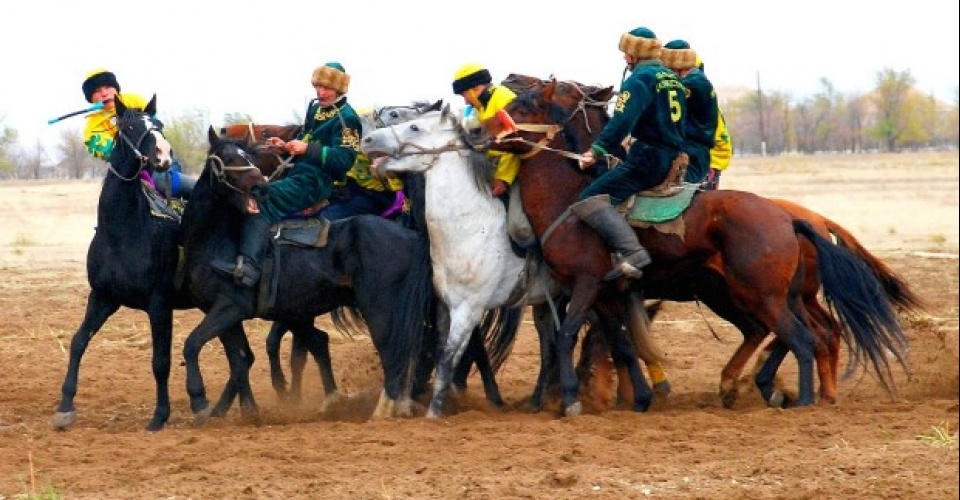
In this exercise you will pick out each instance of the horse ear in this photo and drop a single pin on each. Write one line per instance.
(435, 106)
(445, 112)
(549, 90)
(603, 95)
(151, 108)
(212, 135)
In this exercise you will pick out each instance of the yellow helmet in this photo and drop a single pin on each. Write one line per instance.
(469, 76)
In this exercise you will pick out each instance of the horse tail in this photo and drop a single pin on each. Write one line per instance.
(894, 286)
(499, 328)
(869, 324)
(348, 320)
(639, 319)
(411, 315)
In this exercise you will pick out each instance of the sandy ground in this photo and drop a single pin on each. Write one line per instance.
(904, 208)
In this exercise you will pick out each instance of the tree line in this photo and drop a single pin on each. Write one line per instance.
(894, 116)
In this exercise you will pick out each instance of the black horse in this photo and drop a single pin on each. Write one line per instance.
(132, 259)
(370, 266)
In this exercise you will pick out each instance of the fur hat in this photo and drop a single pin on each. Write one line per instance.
(640, 42)
(96, 79)
(332, 75)
(470, 76)
(678, 56)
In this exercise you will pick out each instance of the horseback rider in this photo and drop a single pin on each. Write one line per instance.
(364, 192)
(324, 150)
(650, 108)
(707, 139)
(100, 131)
(474, 83)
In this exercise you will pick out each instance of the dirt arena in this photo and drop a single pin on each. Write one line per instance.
(868, 446)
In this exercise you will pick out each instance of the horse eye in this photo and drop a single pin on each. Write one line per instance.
(394, 114)
(415, 128)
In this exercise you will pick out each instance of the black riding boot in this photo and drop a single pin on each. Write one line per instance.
(610, 224)
(253, 244)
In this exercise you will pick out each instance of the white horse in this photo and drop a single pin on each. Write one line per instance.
(475, 267)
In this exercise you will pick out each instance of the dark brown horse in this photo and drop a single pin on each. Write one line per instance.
(736, 252)
(272, 163)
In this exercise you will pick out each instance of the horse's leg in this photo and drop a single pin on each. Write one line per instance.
(161, 330)
(799, 340)
(240, 358)
(827, 330)
(220, 318)
(298, 361)
(274, 340)
(97, 313)
(625, 359)
(463, 320)
(583, 296)
(317, 342)
(480, 357)
(595, 370)
(546, 327)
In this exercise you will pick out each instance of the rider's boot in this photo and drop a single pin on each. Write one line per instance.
(609, 223)
(245, 270)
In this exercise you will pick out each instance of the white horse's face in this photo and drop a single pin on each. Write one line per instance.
(412, 146)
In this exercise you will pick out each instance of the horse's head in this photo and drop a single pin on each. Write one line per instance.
(551, 114)
(265, 157)
(413, 146)
(139, 136)
(233, 172)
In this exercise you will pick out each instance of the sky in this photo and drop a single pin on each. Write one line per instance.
(256, 58)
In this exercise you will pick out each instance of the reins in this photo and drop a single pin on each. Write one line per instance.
(136, 151)
(550, 131)
(220, 169)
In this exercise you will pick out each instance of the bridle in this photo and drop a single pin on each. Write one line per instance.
(460, 142)
(550, 130)
(135, 146)
(220, 168)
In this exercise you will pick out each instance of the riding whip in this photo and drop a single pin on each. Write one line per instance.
(95, 107)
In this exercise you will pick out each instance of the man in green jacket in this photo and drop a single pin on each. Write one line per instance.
(324, 152)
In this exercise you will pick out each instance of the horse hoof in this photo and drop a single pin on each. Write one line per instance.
(574, 410)
(662, 388)
(330, 401)
(776, 400)
(64, 419)
(203, 416)
(728, 398)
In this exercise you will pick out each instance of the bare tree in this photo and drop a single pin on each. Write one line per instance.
(76, 162)
(187, 134)
(33, 163)
(8, 138)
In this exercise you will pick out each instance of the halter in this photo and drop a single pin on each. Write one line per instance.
(459, 143)
(220, 169)
(135, 146)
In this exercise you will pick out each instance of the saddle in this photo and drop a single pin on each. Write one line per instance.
(306, 232)
(311, 232)
(661, 206)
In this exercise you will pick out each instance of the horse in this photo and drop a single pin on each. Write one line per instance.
(474, 263)
(269, 161)
(132, 259)
(737, 252)
(385, 285)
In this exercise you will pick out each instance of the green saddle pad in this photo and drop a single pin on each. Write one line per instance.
(657, 209)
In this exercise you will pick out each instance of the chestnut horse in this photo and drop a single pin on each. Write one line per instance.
(738, 253)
